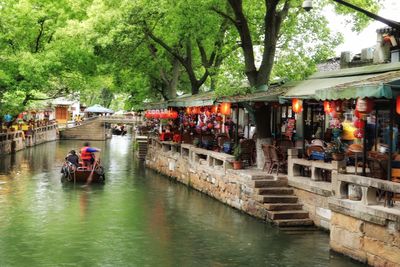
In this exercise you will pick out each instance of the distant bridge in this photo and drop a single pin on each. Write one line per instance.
(95, 128)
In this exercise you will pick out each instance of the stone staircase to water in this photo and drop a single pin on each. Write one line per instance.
(282, 206)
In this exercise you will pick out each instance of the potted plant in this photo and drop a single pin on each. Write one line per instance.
(237, 153)
(337, 150)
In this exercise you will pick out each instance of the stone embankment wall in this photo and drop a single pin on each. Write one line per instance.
(361, 225)
(89, 130)
(208, 172)
(11, 142)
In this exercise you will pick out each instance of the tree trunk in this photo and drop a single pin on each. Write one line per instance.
(262, 116)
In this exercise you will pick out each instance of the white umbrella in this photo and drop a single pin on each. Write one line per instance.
(98, 109)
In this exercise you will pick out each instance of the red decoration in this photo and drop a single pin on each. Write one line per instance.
(357, 114)
(364, 105)
(359, 123)
(218, 118)
(210, 125)
(359, 133)
(398, 105)
(188, 110)
(226, 108)
(328, 107)
(297, 105)
(338, 106)
(174, 114)
(214, 109)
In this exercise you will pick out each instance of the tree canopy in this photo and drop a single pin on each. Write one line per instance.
(143, 50)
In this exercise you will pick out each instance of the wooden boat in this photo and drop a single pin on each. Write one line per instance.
(80, 175)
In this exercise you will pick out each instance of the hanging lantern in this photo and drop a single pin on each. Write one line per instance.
(188, 110)
(297, 105)
(358, 123)
(147, 114)
(398, 104)
(156, 114)
(364, 105)
(195, 110)
(359, 133)
(163, 115)
(207, 112)
(327, 107)
(357, 114)
(174, 114)
(214, 109)
(226, 108)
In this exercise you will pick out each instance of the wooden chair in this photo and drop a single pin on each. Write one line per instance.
(278, 159)
(267, 156)
(247, 147)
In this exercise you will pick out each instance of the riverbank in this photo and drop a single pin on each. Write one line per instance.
(363, 230)
(13, 141)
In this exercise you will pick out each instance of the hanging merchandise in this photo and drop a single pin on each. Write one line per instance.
(359, 133)
(358, 123)
(364, 105)
(297, 105)
(348, 128)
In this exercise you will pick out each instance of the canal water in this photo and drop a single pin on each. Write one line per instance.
(138, 218)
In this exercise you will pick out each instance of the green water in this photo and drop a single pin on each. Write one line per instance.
(138, 218)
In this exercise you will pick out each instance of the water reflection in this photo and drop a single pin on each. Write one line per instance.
(138, 218)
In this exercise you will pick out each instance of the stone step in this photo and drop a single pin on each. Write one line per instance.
(277, 198)
(275, 191)
(293, 222)
(287, 214)
(270, 183)
(283, 206)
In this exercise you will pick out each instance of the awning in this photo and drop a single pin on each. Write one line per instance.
(199, 100)
(272, 94)
(378, 86)
(371, 81)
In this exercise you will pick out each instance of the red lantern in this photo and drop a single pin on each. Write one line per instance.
(196, 110)
(297, 105)
(174, 115)
(164, 115)
(359, 123)
(188, 110)
(359, 133)
(147, 114)
(157, 114)
(398, 105)
(364, 105)
(214, 109)
(226, 108)
(210, 125)
(357, 114)
(338, 106)
(327, 107)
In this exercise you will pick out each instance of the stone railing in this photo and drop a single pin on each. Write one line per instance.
(11, 142)
(14, 141)
(361, 188)
(194, 154)
(316, 168)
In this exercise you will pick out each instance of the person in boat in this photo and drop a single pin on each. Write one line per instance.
(87, 154)
(73, 158)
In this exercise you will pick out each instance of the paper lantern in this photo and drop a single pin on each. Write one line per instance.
(147, 114)
(164, 115)
(327, 107)
(357, 114)
(364, 105)
(359, 133)
(398, 105)
(359, 123)
(297, 105)
(188, 110)
(226, 108)
(196, 110)
(156, 114)
(174, 114)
